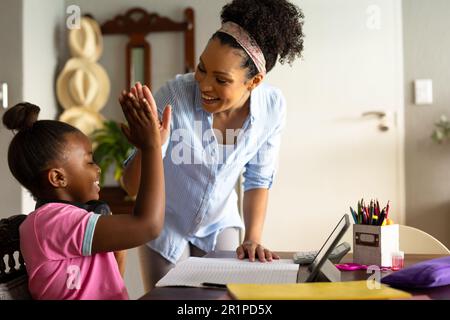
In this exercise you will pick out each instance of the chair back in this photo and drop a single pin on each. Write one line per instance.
(413, 240)
(13, 275)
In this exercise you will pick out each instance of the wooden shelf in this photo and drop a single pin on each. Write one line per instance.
(115, 197)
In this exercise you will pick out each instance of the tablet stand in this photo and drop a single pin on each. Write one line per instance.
(327, 273)
(321, 269)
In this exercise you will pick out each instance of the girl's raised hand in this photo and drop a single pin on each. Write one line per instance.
(143, 127)
(142, 92)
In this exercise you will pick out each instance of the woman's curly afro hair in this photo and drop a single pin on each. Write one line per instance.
(276, 25)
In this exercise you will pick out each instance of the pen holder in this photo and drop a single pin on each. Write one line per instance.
(374, 245)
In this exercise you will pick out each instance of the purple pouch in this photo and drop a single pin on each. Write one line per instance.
(426, 274)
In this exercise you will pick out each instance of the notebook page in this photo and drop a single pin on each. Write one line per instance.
(194, 271)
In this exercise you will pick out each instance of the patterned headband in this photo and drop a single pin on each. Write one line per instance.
(247, 43)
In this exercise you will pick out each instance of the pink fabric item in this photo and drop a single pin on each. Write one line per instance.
(356, 266)
(247, 43)
(351, 267)
(51, 241)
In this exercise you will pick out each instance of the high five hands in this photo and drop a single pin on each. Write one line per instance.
(140, 102)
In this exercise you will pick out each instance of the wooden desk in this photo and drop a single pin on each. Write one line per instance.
(174, 293)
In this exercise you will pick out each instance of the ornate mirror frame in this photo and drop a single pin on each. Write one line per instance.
(137, 23)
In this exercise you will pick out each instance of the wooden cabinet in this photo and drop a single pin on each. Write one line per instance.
(117, 200)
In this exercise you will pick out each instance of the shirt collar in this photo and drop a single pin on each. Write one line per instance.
(198, 98)
(255, 106)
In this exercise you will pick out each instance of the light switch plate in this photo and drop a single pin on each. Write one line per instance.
(4, 95)
(423, 92)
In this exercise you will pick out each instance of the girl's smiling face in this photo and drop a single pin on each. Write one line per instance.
(81, 173)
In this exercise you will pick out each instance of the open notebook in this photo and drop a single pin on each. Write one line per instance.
(194, 271)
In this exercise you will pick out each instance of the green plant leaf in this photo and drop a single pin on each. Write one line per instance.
(441, 132)
(111, 148)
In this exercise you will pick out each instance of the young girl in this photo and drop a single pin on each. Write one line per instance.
(227, 95)
(68, 251)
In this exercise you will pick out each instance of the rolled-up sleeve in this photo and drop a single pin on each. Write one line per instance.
(133, 153)
(163, 97)
(261, 169)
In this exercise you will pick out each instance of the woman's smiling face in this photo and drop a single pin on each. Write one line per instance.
(222, 80)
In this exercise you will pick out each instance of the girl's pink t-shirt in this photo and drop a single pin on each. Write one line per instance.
(56, 241)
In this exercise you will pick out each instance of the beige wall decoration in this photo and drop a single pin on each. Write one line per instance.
(83, 85)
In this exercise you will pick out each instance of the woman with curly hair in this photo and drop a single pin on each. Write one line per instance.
(224, 120)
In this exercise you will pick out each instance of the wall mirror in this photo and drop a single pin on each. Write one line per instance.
(137, 24)
(137, 65)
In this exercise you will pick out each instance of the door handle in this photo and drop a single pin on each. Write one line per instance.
(381, 115)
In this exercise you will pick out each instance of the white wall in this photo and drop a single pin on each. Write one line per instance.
(427, 52)
(42, 22)
(347, 69)
(29, 59)
(10, 72)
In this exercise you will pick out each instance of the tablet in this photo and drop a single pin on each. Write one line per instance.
(321, 268)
